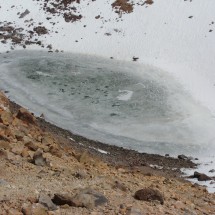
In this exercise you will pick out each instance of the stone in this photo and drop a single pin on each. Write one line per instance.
(149, 194)
(81, 174)
(212, 171)
(46, 201)
(55, 151)
(89, 198)
(26, 116)
(17, 150)
(120, 186)
(26, 140)
(83, 158)
(24, 153)
(32, 146)
(60, 199)
(25, 13)
(19, 135)
(38, 209)
(182, 157)
(6, 117)
(38, 158)
(201, 176)
(47, 140)
(26, 209)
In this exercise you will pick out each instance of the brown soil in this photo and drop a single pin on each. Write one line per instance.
(39, 163)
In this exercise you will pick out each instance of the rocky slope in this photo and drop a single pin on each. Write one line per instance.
(45, 173)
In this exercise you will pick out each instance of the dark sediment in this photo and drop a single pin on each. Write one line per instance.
(150, 164)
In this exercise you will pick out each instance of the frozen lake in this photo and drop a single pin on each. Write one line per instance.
(126, 104)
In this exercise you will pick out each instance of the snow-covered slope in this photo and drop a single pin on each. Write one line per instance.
(174, 35)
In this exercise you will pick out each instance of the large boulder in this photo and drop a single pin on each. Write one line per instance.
(200, 176)
(149, 194)
(87, 198)
(26, 116)
(46, 201)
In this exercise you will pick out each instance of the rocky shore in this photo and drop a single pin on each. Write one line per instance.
(47, 170)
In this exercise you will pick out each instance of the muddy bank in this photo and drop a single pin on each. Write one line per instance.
(114, 155)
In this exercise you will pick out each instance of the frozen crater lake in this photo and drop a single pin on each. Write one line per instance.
(127, 104)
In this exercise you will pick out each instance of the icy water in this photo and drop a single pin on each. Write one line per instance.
(126, 104)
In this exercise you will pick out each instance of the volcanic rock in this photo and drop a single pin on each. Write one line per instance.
(46, 201)
(26, 116)
(149, 194)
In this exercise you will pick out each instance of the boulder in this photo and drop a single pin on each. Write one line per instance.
(149, 194)
(201, 176)
(60, 199)
(182, 157)
(46, 201)
(26, 116)
(87, 198)
(38, 158)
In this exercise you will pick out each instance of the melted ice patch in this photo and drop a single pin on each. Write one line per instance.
(125, 95)
(43, 74)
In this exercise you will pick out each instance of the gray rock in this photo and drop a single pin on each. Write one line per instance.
(38, 158)
(25, 13)
(46, 201)
(149, 194)
(63, 199)
(87, 198)
(182, 157)
(201, 176)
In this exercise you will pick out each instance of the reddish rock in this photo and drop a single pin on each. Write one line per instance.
(26, 116)
(149, 194)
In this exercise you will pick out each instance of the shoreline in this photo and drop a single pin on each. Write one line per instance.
(115, 155)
